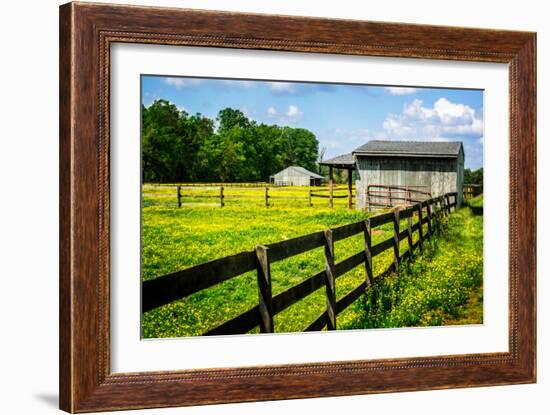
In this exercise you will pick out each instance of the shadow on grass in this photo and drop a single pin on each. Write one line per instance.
(477, 210)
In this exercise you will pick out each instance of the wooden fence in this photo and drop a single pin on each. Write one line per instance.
(217, 195)
(181, 284)
(328, 193)
(220, 195)
(209, 184)
(472, 190)
(384, 196)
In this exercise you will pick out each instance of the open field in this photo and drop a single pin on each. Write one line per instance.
(175, 239)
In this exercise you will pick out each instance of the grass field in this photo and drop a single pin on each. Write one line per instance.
(476, 201)
(175, 239)
(443, 285)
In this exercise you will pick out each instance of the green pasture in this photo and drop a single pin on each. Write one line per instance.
(177, 238)
(476, 201)
(442, 285)
(234, 195)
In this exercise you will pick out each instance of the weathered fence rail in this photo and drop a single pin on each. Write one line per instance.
(385, 196)
(472, 190)
(217, 194)
(331, 196)
(181, 284)
(209, 184)
(187, 195)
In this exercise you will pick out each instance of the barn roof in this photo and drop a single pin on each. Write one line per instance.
(301, 170)
(445, 149)
(343, 161)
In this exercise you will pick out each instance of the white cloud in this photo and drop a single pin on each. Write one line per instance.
(444, 120)
(394, 90)
(182, 108)
(239, 84)
(293, 113)
(282, 87)
(180, 83)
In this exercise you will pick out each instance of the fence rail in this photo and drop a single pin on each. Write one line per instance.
(386, 196)
(181, 284)
(472, 190)
(218, 195)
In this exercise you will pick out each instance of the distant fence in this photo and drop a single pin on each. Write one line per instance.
(168, 288)
(210, 184)
(472, 190)
(222, 195)
(214, 194)
(328, 193)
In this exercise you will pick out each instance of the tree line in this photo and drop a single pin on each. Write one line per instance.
(179, 147)
(473, 176)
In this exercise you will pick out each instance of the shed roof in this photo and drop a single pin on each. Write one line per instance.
(445, 149)
(342, 161)
(301, 170)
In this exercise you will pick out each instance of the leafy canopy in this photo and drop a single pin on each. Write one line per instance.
(177, 147)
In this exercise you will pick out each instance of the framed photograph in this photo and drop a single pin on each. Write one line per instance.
(259, 207)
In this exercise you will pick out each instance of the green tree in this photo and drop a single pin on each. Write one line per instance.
(159, 140)
(473, 176)
(177, 147)
(229, 118)
(300, 148)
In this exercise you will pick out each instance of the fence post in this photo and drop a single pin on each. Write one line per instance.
(396, 239)
(310, 203)
(330, 276)
(331, 187)
(221, 197)
(420, 231)
(266, 196)
(410, 233)
(368, 252)
(264, 290)
(429, 215)
(448, 203)
(179, 196)
(350, 189)
(367, 195)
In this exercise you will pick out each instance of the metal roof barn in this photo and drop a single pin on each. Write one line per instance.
(413, 170)
(296, 176)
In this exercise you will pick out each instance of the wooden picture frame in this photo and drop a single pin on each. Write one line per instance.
(86, 33)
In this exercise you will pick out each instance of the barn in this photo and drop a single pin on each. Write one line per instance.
(296, 176)
(393, 172)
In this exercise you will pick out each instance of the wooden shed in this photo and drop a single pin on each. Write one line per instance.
(296, 176)
(425, 168)
(395, 172)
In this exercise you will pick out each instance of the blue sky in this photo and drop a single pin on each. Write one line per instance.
(342, 116)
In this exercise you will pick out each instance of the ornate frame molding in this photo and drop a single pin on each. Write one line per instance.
(86, 33)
